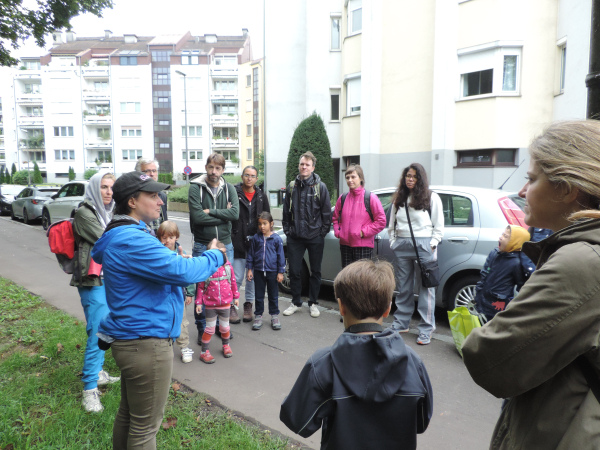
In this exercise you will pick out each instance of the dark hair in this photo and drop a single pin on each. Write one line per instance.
(358, 171)
(122, 208)
(420, 193)
(366, 287)
(250, 167)
(216, 158)
(167, 228)
(265, 215)
(309, 155)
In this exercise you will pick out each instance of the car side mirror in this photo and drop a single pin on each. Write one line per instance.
(54, 197)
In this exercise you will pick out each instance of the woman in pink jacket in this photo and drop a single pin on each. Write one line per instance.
(356, 228)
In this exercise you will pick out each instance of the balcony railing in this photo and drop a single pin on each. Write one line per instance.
(224, 95)
(96, 119)
(95, 95)
(29, 73)
(224, 118)
(32, 143)
(31, 121)
(223, 71)
(29, 98)
(98, 143)
(95, 72)
(232, 165)
(224, 142)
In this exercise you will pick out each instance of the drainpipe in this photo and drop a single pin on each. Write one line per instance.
(592, 80)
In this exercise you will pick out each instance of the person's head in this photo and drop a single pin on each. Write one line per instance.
(168, 233)
(147, 166)
(563, 177)
(307, 165)
(136, 195)
(221, 245)
(265, 222)
(355, 176)
(413, 182)
(249, 177)
(215, 166)
(512, 239)
(365, 288)
(106, 185)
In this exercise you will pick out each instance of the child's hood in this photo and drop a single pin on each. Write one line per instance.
(518, 236)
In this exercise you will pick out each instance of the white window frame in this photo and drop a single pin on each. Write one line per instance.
(338, 17)
(248, 129)
(197, 155)
(131, 132)
(563, 66)
(126, 154)
(69, 132)
(354, 7)
(353, 94)
(197, 131)
(249, 155)
(248, 80)
(248, 105)
(131, 107)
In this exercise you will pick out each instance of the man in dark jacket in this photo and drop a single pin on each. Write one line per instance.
(150, 168)
(306, 222)
(252, 201)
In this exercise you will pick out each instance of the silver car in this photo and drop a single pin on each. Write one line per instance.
(30, 201)
(8, 192)
(473, 221)
(64, 203)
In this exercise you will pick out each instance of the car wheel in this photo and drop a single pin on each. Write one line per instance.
(25, 216)
(46, 220)
(285, 286)
(462, 293)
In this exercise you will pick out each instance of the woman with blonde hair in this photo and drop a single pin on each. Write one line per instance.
(542, 351)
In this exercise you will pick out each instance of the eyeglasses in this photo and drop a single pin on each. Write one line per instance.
(412, 177)
(252, 177)
(149, 171)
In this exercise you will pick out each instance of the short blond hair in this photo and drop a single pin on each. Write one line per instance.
(110, 176)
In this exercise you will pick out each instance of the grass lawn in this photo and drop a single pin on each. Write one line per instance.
(41, 356)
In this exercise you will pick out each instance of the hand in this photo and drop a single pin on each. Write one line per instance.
(228, 205)
(279, 277)
(188, 301)
(198, 309)
(250, 275)
(361, 234)
(206, 211)
(180, 253)
(236, 302)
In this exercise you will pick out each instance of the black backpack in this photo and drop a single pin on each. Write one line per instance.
(367, 205)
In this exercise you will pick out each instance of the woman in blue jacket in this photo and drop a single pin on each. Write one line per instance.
(143, 282)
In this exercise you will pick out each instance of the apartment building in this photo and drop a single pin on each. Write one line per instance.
(251, 112)
(459, 86)
(105, 102)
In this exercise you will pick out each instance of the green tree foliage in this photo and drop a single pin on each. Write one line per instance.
(310, 135)
(13, 169)
(71, 173)
(21, 177)
(88, 174)
(37, 175)
(18, 22)
(2, 175)
(259, 157)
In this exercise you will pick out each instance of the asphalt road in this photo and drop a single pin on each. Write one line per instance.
(266, 363)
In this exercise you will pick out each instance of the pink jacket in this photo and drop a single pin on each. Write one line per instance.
(219, 292)
(356, 219)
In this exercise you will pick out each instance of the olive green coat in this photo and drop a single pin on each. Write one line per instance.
(526, 352)
(87, 230)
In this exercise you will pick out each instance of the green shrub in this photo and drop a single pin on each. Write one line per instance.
(310, 135)
(2, 181)
(13, 170)
(178, 194)
(21, 177)
(165, 178)
(71, 173)
(89, 173)
(37, 175)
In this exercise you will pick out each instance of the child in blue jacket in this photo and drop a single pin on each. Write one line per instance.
(266, 264)
(502, 271)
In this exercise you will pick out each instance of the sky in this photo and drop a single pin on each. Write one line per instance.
(152, 17)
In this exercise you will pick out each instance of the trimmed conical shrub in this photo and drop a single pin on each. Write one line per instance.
(13, 170)
(37, 175)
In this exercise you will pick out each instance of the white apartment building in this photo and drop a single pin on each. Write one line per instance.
(105, 102)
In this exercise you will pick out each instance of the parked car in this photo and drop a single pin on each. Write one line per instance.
(30, 201)
(64, 203)
(8, 192)
(473, 220)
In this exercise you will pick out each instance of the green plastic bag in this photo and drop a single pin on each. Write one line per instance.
(462, 323)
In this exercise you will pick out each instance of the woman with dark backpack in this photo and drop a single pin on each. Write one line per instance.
(417, 216)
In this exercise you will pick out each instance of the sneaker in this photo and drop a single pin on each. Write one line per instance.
(291, 310)
(247, 312)
(227, 353)
(423, 339)
(257, 325)
(104, 378)
(206, 357)
(91, 400)
(233, 315)
(314, 311)
(275, 323)
(403, 331)
(186, 355)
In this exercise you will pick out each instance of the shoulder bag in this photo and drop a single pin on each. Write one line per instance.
(430, 271)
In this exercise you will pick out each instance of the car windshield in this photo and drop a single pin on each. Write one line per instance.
(47, 192)
(10, 190)
(520, 202)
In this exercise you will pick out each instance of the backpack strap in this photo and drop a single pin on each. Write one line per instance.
(227, 277)
(343, 199)
(367, 200)
(291, 186)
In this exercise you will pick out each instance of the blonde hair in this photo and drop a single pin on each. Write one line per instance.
(569, 153)
(167, 228)
(110, 176)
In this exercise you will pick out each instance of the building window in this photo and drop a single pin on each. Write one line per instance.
(104, 155)
(61, 175)
(101, 86)
(34, 111)
(131, 107)
(335, 33)
(64, 155)
(194, 154)
(2, 157)
(161, 56)
(478, 83)
(131, 132)
(132, 155)
(563, 66)
(31, 65)
(63, 131)
(128, 60)
(161, 76)
(249, 129)
(249, 154)
(31, 88)
(353, 97)
(103, 110)
(248, 105)
(103, 133)
(224, 85)
(162, 99)
(225, 133)
(354, 17)
(195, 131)
(190, 57)
(487, 157)
(162, 122)
(248, 80)
(335, 105)
(228, 155)
(225, 108)
(37, 156)
(225, 60)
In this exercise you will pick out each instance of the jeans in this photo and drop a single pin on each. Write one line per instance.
(197, 250)
(296, 248)
(146, 367)
(93, 300)
(239, 267)
(266, 280)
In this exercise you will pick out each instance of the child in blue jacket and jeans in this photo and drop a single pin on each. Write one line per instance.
(266, 263)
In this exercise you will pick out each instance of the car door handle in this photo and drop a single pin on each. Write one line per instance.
(459, 239)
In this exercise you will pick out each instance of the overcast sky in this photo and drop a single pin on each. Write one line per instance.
(152, 17)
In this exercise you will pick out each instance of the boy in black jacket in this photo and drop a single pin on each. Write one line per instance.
(368, 390)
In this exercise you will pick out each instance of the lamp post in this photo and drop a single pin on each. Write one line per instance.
(187, 176)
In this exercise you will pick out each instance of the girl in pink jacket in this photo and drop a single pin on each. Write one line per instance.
(216, 294)
(355, 229)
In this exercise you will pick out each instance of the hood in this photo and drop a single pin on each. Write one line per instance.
(518, 236)
(240, 190)
(384, 361)
(310, 181)
(201, 180)
(94, 197)
(359, 191)
(115, 228)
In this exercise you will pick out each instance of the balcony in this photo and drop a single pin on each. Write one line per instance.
(96, 143)
(225, 142)
(29, 99)
(28, 74)
(230, 165)
(31, 122)
(224, 119)
(97, 97)
(95, 72)
(96, 119)
(223, 95)
(224, 71)
(34, 143)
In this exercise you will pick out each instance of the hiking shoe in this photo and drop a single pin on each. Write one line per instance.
(423, 339)
(247, 312)
(275, 323)
(233, 315)
(314, 311)
(291, 310)
(104, 378)
(227, 353)
(206, 357)
(91, 400)
(186, 355)
(257, 325)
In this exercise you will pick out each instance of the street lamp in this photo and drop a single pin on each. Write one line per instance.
(187, 176)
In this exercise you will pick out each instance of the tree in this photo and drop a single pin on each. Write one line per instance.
(19, 22)
(21, 177)
(310, 135)
(1, 174)
(13, 169)
(89, 173)
(71, 173)
(37, 175)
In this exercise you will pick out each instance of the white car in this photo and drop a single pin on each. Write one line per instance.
(64, 203)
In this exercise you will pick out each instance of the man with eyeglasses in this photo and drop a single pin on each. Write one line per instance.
(150, 168)
(253, 201)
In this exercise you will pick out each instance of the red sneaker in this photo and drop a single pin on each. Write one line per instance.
(207, 358)
(227, 353)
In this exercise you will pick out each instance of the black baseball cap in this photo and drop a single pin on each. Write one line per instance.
(131, 182)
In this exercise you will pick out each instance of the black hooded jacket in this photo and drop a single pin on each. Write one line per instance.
(247, 223)
(366, 391)
(309, 216)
